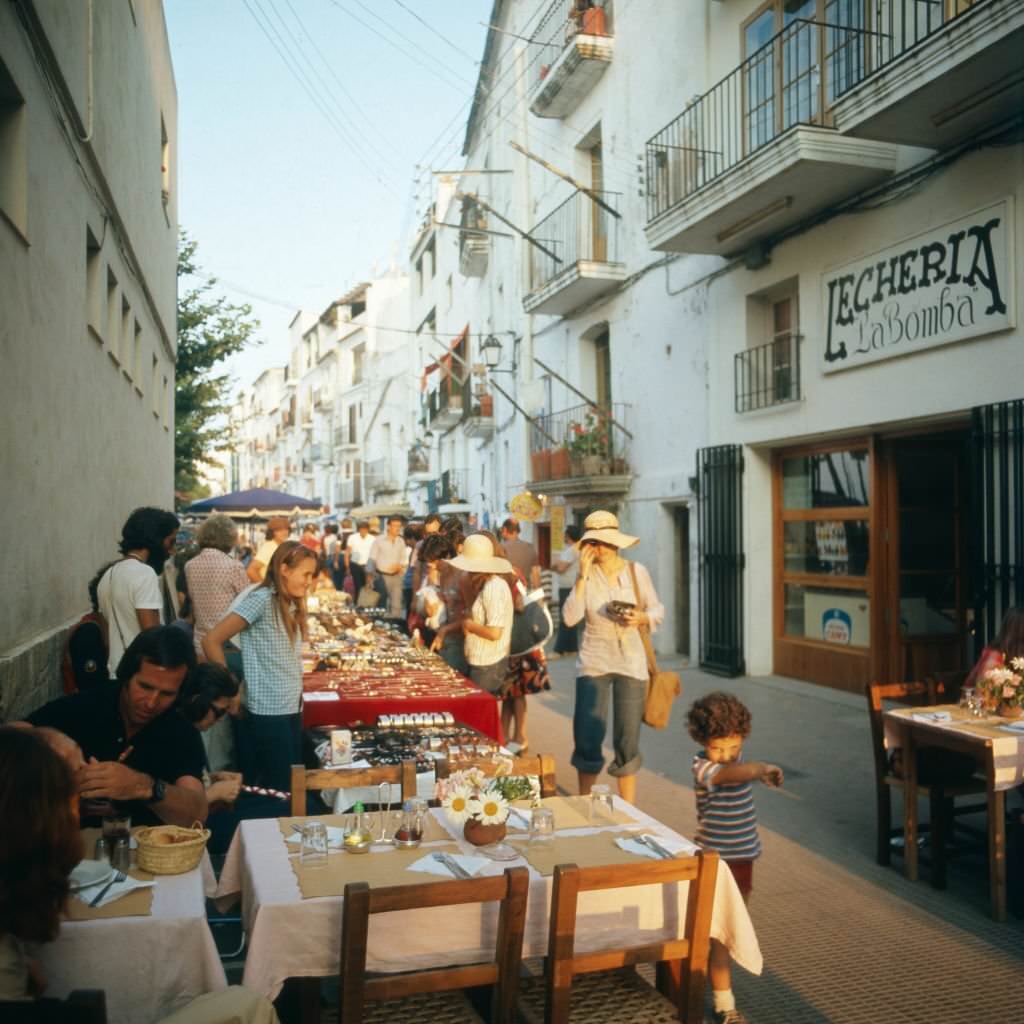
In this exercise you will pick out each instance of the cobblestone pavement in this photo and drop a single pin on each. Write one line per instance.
(844, 940)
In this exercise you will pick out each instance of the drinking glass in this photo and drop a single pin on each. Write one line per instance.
(602, 804)
(313, 852)
(968, 697)
(542, 825)
(116, 826)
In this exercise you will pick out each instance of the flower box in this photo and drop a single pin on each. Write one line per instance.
(540, 464)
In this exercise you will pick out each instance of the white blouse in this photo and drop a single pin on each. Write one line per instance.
(609, 648)
(494, 607)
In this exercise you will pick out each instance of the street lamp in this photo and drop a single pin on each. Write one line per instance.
(490, 349)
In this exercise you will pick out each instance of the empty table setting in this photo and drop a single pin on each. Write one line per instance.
(292, 903)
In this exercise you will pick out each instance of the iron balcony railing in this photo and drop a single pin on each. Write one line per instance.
(768, 375)
(559, 26)
(453, 487)
(588, 433)
(447, 397)
(577, 230)
(792, 80)
(380, 475)
(894, 27)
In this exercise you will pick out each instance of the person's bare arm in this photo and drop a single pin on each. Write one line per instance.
(148, 617)
(535, 577)
(184, 799)
(213, 643)
(254, 570)
(751, 771)
(479, 629)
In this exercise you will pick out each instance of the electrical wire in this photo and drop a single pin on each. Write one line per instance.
(440, 35)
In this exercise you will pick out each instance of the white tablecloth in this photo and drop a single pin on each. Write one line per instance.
(148, 966)
(289, 937)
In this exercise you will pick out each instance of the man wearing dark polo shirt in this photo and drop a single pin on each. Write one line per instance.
(139, 752)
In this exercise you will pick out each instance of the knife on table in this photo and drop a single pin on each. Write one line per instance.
(660, 850)
(452, 865)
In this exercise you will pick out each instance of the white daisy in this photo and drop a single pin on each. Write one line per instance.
(457, 804)
(491, 808)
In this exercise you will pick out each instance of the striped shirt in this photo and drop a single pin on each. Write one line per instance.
(726, 821)
(214, 580)
(493, 607)
(272, 662)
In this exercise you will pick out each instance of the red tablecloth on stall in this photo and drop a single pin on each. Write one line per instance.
(349, 698)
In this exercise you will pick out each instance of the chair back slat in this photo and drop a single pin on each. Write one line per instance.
(510, 890)
(916, 693)
(305, 779)
(688, 957)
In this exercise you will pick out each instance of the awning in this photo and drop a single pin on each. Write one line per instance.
(258, 503)
(445, 362)
(365, 511)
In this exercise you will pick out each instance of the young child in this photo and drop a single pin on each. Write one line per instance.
(726, 822)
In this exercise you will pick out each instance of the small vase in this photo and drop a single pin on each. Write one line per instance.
(1010, 710)
(479, 834)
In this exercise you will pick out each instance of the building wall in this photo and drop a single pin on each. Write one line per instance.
(87, 389)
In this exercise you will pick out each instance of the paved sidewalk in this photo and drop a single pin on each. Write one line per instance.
(844, 940)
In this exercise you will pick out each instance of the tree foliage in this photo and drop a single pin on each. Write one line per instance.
(210, 330)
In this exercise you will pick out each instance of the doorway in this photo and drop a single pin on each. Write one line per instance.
(681, 524)
(926, 589)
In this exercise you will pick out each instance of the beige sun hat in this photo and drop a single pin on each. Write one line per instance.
(478, 556)
(604, 527)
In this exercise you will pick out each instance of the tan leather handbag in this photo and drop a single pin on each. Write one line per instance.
(662, 687)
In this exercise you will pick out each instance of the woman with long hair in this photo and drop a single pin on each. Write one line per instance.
(1006, 645)
(269, 620)
(614, 599)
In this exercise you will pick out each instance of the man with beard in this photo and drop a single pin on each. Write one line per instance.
(127, 592)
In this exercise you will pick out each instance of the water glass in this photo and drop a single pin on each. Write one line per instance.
(542, 825)
(116, 826)
(968, 698)
(313, 851)
(602, 804)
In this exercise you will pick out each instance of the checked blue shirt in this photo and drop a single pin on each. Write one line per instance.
(272, 662)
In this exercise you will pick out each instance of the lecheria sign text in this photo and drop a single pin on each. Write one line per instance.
(950, 283)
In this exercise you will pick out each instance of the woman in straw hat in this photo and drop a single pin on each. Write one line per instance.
(488, 625)
(611, 658)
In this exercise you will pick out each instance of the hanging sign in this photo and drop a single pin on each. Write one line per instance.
(526, 507)
(947, 284)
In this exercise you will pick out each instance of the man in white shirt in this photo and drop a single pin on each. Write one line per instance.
(389, 556)
(127, 592)
(357, 554)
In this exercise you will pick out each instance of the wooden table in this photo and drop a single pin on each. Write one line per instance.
(148, 966)
(292, 937)
(999, 752)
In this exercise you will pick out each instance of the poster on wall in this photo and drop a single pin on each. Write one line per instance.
(952, 282)
(830, 541)
(556, 516)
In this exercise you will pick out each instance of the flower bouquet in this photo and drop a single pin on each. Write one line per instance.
(1002, 688)
(481, 804)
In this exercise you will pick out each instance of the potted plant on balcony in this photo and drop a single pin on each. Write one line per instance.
(560, 461)
(540, 464)
(588, 445)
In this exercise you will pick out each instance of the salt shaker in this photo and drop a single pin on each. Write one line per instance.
(100, 851)
(121, 855)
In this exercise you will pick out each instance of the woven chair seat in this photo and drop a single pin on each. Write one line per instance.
(421, 1008)
(604, 997)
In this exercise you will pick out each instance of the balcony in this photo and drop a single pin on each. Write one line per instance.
(581, 451)
(380, 477)
(580, 258)
(768, 375)
(348, 493)
(444, 405)
(449, 493)
(344, 438)
(418, 468)
(478, 419)
(568, 53)
(755, 154)
(474, 242)
(931, 74)
(320, 454)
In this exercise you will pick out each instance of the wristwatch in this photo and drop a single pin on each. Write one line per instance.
(158, 792)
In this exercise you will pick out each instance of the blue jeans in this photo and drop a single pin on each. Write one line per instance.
(490, 678)
(268, 746)
(590, 722)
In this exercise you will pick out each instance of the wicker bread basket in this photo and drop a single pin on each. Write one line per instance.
(175, 855)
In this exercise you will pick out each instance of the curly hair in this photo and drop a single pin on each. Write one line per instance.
(40, 842)
(146, 528)
(219, 531)
(435, 546)
(716, 715)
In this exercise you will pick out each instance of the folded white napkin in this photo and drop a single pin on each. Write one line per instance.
(115, 892)
(435, 867)
(334, 837)
(932, 716)
(1017, 727)
(518, 818)
(674, 846)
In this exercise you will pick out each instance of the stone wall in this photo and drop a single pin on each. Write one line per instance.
(30, 675)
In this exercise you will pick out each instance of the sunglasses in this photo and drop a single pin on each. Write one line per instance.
(218, 712)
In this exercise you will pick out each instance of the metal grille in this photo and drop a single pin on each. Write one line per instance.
(721, 559)
(997, 515)
(768, 375)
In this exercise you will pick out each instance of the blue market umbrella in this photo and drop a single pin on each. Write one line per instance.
(258, 503)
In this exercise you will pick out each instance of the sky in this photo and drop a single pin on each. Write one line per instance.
(300, 127)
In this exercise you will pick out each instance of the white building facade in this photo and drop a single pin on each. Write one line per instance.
(88, 251)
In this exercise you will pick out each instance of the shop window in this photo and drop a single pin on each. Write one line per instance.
(13, 154)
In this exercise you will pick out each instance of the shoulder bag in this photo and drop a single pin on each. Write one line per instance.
(662, 687)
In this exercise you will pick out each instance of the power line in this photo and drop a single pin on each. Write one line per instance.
(440, 35)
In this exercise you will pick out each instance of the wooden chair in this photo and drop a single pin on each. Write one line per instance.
(82, 1006)
(943, 808)
(304, 779)
(510, 890)
(541, 766)
(611, 989)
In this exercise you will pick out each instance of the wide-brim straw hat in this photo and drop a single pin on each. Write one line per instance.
(478, 556)
(604, 528)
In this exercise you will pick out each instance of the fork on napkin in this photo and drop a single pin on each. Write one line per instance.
(114, 891)
(430, 864)
(677, 847)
